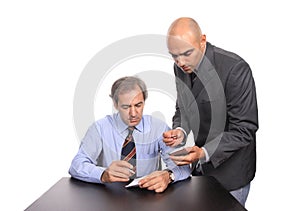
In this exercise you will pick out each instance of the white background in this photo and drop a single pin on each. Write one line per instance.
(44, 47)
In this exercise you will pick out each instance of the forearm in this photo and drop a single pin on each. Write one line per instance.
(180, 121)
(226, 144)
(180, 172)
(85, 169)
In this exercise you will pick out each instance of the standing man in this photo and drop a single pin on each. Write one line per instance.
(127, 144)
(216, 100)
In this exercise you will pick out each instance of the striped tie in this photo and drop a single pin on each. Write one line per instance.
(128, 149)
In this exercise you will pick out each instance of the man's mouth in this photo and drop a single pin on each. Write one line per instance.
(185, 68)
(133, 120)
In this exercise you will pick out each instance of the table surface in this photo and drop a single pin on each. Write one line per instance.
(195, 193)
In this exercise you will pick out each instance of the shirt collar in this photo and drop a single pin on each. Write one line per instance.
(121, 126)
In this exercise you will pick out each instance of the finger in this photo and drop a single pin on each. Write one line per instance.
(110, 176)
(161, 187)
(155, 186)
(181, 163)
(167, 134)
(180, 160)
(170, 134)
(174, 144)
(189, 149)
(120, 172)
(124, 164)
(169, 141)
(175, 140)
(147, 182)
(124, 167)
(179, 133)
(143, 181)
(119, 179)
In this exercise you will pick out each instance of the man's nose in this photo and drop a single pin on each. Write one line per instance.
(180, 61)
(132, 111)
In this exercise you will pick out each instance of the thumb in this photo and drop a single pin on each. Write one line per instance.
(189, 149)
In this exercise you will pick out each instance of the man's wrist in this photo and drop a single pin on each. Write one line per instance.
(103, 177)
(184, 136)
(183, 131)
(204, 158)
(171, 175)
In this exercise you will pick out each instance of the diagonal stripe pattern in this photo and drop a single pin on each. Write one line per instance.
(128, 149)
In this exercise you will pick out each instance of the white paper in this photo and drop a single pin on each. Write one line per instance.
(134, 182)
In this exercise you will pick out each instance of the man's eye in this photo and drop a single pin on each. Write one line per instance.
(125, 107)
(174, 56)
(188, 53)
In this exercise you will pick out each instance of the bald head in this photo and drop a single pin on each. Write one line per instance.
(185, 28)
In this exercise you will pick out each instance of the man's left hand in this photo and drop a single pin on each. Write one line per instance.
(195, 153)
(157, 181)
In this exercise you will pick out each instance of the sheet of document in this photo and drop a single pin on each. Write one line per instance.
(181, 151)
(134, 182)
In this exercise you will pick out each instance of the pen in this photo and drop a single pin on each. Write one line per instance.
(131, 171)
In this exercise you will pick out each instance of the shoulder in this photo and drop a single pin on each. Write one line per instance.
(220, 52)
(224, 57)
(155, 123)
(227, 63)
(104, 122)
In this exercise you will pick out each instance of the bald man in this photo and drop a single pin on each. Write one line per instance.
(216, 100)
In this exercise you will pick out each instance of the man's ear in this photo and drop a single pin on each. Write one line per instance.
(203, 41)
(115, 105)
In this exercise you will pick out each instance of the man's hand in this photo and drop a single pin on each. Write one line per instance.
(173, 137)
(157, 181)
(195, 153)
(118, 171)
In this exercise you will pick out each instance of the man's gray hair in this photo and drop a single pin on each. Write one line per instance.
(126, 84)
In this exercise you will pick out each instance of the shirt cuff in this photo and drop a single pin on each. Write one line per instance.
(180, 128)
(202, 161)
(184, 138)
(206, 155)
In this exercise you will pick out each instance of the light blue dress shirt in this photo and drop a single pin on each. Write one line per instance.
(103, 142)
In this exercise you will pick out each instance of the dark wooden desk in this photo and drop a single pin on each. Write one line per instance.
(196, 193)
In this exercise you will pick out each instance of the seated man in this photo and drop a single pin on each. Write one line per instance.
(127, 144)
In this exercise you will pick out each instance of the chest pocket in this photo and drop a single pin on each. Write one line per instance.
(148, 158)
(147, 151)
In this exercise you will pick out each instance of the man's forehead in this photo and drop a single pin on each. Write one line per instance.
(131, 97)
(178, 44)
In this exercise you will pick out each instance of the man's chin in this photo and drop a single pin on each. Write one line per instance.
(187, 70)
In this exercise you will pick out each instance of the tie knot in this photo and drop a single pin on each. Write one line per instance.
(193, 76)
(130, 129)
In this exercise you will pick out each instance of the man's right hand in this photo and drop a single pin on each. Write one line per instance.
(118, 171)
(174, 137)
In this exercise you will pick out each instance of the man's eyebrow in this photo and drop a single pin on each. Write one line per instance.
(128, 105)
(187, 51)
(181, 54)
(172, 54)
(138, 103)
